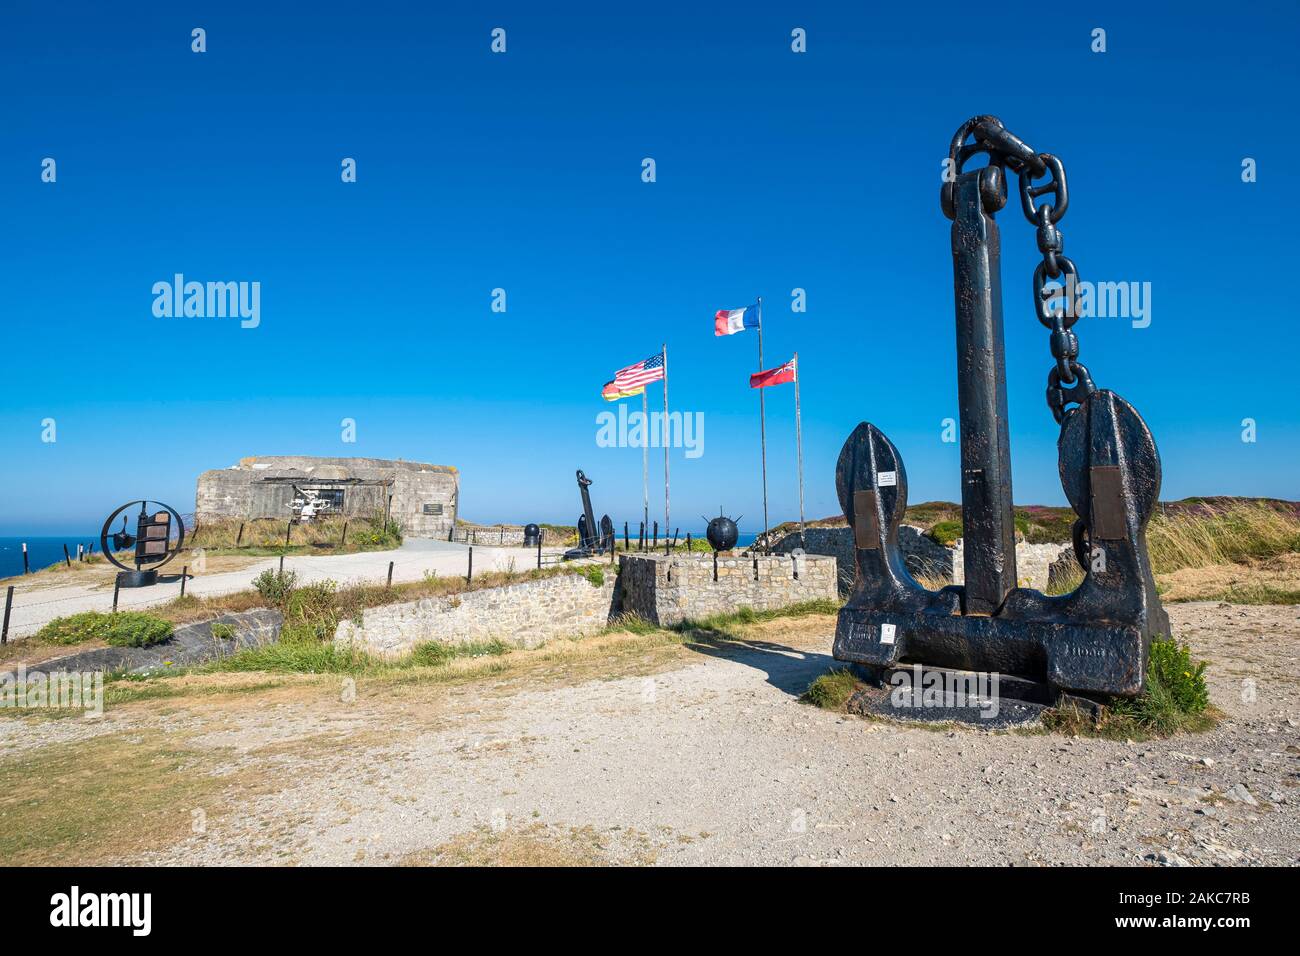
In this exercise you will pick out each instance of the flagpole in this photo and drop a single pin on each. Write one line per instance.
(762, 420)
(645, 460)
(667, 515)
(798, 439)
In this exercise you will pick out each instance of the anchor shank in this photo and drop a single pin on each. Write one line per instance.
(987, 517)
(583, 484)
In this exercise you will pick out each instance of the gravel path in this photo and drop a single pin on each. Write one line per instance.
(714, 761)
(34, 607)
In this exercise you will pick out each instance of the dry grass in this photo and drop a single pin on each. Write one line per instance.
(267, 536)
(355, 598)
(538, 846)
(104, 799)
(1211, 535)
(1273, 580)
(120, 795)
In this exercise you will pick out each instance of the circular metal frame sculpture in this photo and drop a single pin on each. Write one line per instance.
(152, 541)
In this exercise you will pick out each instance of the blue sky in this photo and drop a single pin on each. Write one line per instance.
(522, 171)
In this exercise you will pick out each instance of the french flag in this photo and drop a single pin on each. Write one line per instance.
(731, 321)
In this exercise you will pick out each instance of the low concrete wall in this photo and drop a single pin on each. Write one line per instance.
(526, 614)
(669, 589)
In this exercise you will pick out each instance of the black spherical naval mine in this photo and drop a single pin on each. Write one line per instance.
(722, 533)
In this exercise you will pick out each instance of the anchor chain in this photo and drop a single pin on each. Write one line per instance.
(1057, 307)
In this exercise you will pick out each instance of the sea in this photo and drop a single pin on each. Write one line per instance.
(42, 551)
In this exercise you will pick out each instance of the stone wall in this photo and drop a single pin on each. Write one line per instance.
(924, 556)
(667, 589)
(526, 614)
(1032, 563)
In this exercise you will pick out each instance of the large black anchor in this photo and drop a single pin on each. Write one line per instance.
(1094, 640)
(592, 538)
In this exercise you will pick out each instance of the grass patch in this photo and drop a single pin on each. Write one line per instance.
(122, 629)
(436, 653)
(1066, 582)
(266, 536)
(100, 800)
(537, 846)
(832, 690)
(312, 657)
(1202, 534)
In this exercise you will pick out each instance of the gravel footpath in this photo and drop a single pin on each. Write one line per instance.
(716, 762)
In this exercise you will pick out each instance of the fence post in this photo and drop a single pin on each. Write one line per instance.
(390, 575)
(239, 537)
(281, 565)
(67, 559)
(640, 542)
(185, 573)
(27, 568)
(287, 530)
(654, 542)
(688, 542)
(344, 540)
(625, 542)
(9, 602)
(540, 536)
(117, 584)
(469, 575)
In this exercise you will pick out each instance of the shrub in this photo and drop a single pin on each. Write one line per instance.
(222, 632)
(595, 574)
(124, 629)
(1174, 683)
(1175, 701)
(946, 533)
(274, 585)
(380, 532)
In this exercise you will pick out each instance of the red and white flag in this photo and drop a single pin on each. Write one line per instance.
(775, 376)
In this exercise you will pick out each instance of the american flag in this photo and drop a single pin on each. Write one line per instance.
(642, 373)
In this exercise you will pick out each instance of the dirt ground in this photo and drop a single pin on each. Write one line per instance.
(624, 749)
